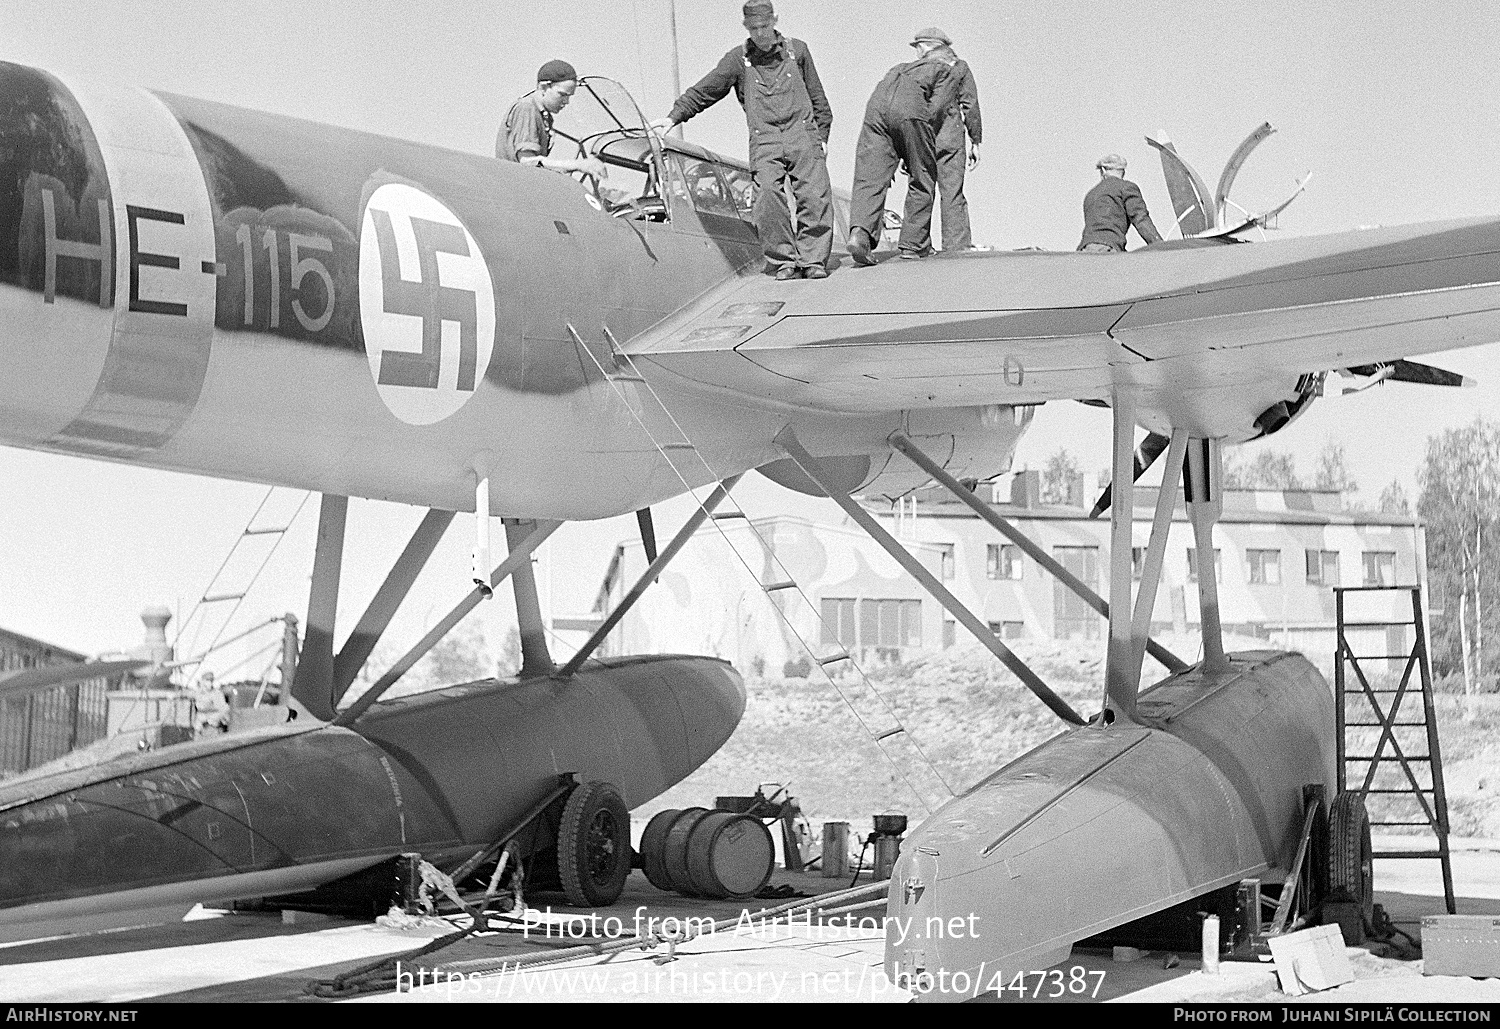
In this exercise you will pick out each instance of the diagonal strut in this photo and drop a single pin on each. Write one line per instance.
(787, 440)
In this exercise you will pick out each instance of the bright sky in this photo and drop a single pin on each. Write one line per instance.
(1393, 106)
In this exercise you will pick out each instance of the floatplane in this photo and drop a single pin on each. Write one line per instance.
(191, 286)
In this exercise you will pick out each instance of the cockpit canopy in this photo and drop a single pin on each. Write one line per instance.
(647, 174)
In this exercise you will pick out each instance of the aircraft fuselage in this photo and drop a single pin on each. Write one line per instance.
(196, 287)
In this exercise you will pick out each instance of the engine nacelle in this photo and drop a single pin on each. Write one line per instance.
(968, 442)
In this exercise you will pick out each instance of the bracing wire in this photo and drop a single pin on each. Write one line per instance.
(229, 618)
(877, 737)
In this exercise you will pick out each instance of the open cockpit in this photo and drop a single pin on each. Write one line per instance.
(656, 178)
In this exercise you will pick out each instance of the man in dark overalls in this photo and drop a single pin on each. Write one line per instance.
(1111, 208)
(900, 128)
(953, 157)
(789, 118)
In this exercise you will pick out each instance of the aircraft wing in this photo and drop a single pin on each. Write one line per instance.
(1175, 320)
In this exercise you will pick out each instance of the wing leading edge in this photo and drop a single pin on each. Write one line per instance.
(1027, 327)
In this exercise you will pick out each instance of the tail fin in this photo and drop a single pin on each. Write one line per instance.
(1191, 201)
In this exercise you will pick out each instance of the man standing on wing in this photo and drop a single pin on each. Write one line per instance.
(900, 129)
(961, 118)
(789, 119)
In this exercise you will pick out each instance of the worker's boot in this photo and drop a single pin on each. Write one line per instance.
(860, 246)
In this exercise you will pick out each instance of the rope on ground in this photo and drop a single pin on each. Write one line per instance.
(650, 941)
(380, 976)
(372, 978)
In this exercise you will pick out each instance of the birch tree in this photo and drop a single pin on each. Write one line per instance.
(1459, 482)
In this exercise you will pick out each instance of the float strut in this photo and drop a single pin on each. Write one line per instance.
(518, 556)
(787, 440)
(652, 571)
(1016, 536)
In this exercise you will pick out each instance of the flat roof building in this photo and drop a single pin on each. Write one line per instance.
(1278, 554)
(41, 726)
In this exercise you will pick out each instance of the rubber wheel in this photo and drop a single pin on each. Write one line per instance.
(593, 845)
(653, 839)
(1351, 868)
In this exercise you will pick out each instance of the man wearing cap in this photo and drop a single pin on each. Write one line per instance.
(1111, 207)
(953, 158)
(789, 118)
(900, 128)
(526, 136)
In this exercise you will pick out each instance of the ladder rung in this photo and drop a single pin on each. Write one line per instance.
(1409, 854)
(890, 732)
(771, 587)
(1377, 657)
(678, 446)
(1427, 824)
(1409, 689)
(834, 659)
(1405, 792)
(1377, 725)
(625, 378)
(266, 532)
(1371, 625)
(220, 596)
(720, 516)
(1371, 758)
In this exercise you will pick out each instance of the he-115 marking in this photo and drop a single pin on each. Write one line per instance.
(380, 319)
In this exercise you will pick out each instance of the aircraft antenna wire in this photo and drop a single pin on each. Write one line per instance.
(640, 65)
(878, 737)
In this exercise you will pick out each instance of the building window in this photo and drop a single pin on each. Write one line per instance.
(1009, 630)
(948, 567)
(1192, 555)
(1002, 561)
(838, 621)
(890, 623)
(1072, 617)
(950, 633)
(1322, 567)
(1265, 566)
(1380, 567)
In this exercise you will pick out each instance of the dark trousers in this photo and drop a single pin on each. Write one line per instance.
(795, 156)
(953, 207)
(883, 147)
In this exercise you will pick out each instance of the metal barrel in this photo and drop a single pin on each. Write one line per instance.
(653, 840)
(674, 849)
(729, 855)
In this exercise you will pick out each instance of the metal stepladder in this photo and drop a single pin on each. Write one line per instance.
(1389, 773)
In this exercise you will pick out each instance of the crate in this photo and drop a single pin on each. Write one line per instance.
(1461, 945)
